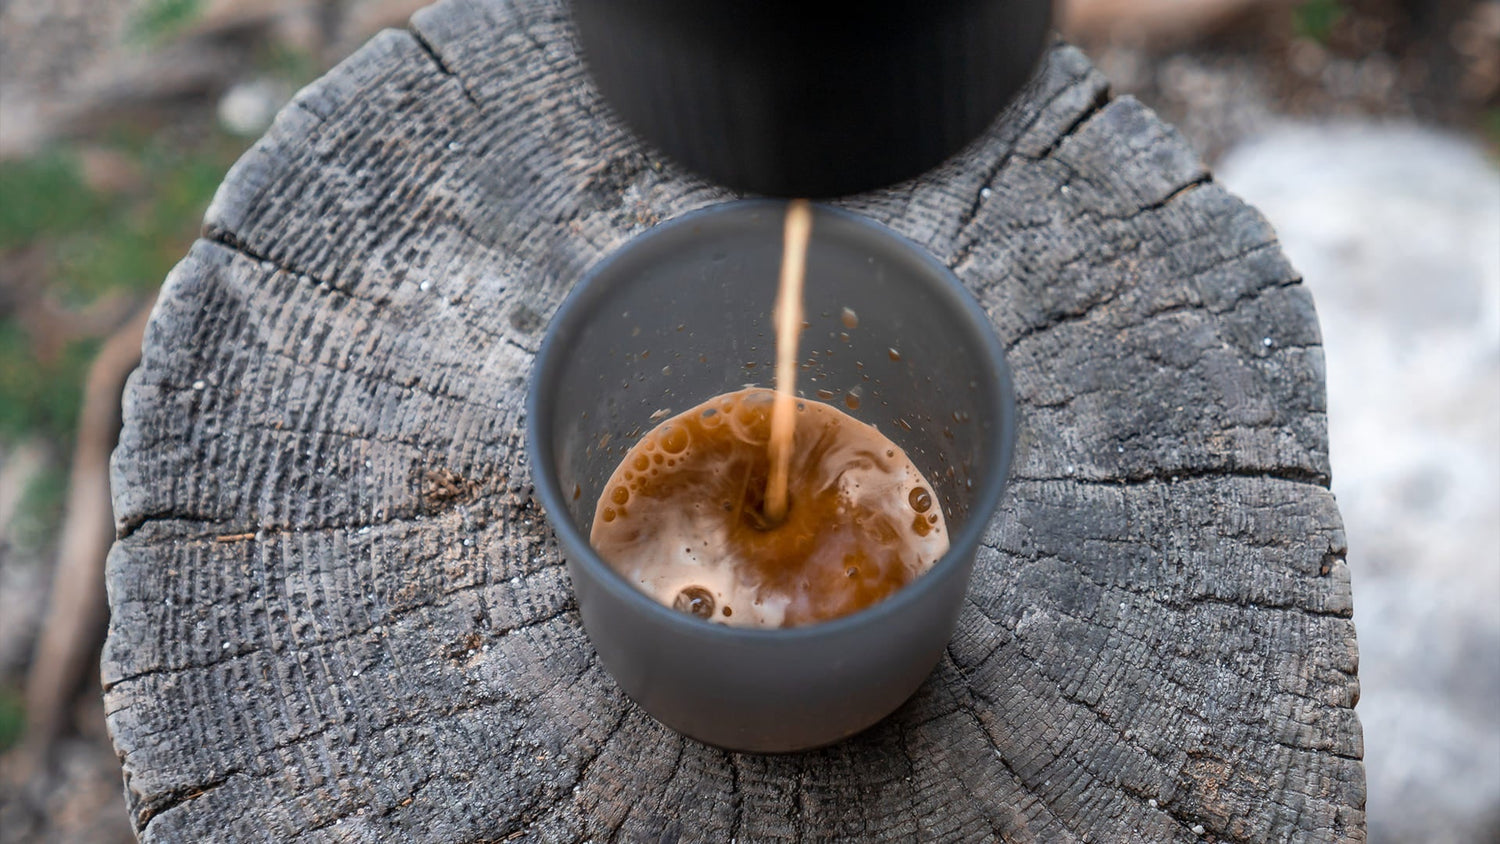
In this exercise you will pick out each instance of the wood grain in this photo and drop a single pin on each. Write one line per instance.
(1158, 645)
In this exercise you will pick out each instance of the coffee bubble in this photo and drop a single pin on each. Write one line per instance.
(920, 500)
(694, 600)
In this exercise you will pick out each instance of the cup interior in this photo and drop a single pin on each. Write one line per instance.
(683, 313)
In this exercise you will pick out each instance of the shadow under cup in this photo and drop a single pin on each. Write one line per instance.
(683, 313)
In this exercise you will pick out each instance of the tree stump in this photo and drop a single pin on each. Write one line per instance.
(338, 614)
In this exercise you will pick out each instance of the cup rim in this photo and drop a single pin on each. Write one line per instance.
(552, 354)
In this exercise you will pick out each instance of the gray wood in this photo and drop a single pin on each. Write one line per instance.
(337, 613)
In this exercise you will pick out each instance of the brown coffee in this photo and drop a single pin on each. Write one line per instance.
(684, 515)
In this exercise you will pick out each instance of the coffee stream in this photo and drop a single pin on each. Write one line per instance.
(797, 232)
(759, 509)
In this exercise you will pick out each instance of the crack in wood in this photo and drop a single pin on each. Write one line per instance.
(965, 238)
(329, 642)
(1169, 475)
(226, 239)
(442, 66)
(736, 797)
(1205, 178)
(189, 529)
(170, 800)
(1096, 105)
(1078, 315)
(1183, 708)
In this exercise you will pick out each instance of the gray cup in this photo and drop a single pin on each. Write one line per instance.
(683, 313)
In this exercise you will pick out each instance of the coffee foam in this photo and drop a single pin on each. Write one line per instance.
(682, 518)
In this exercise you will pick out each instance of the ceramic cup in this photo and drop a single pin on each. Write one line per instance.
(683, 313)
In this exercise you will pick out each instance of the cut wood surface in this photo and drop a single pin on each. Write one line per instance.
(338, 614)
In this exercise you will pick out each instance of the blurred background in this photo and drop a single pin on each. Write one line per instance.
(1368, 131)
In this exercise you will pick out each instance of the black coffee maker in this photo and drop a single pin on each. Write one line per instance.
(810, 98)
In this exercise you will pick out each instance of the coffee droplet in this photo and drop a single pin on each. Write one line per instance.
(920, 499)
(850, 319)
(895, 355)
(577, 491)
(620, 495)
(728, 611)
(921, 526)
(695, 600)
(851, 401)
(608, 514)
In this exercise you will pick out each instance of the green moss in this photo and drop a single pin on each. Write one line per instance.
(12, 717)
(1316, 19)
(41, 509)
(1489, 127)
(93, 246)
(143, 236)
(288, 63)
(39, 396)
(44, 195)
(157, 20)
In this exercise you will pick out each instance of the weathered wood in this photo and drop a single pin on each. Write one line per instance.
(337, 612)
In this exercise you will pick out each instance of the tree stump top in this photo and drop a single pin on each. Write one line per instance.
(337, 612)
